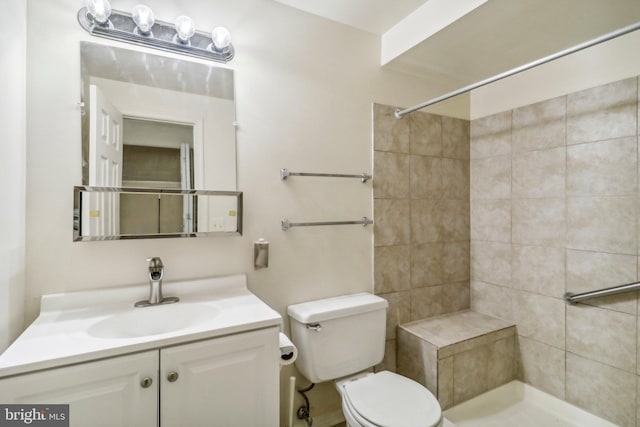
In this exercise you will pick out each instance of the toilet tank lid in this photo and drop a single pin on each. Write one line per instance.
(336, 307)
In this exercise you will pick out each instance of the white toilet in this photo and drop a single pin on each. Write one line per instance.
(339, 339)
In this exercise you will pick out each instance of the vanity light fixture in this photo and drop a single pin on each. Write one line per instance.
(100, 10)
(143, 17)
(185, 29)
(140, 28)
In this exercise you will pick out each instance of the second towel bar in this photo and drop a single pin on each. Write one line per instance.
(364, 177)
(286, 224)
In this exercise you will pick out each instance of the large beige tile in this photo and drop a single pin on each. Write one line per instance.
(455, 138)
(602, 390)
(502, 362)
(390, 222)
(398, 312)
(455, 296)
(491, 262)
(452, 332)
(455, 217)
(539, 173)
(539, 317)
(603, 335)
(391, 172)
(470, 373)
(539, 222)
(426, 177)
(412, 353)
(491, 178)
(445, 382)
(392, 269)
(427, 264)
(539, 269)
(589, 271)
(426, 220)
(604, 168)
(539, 126)
(491, 220)
(603, 112)
(455, 261)
(455, 179)
(491, 135)
(426, 134)
(603, 224)
(638, 398)
(427, 302)
(389, 133)
(542, 366)
(491, 300)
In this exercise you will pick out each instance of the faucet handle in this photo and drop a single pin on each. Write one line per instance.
(155, 262)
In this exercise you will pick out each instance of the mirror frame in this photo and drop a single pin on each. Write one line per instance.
(77, 207)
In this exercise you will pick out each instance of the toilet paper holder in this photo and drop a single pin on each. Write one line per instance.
(288, 351)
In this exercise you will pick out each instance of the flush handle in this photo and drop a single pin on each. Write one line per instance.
(146, 382)
(172, 377)
(314, 327)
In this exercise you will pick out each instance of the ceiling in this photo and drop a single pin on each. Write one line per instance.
(491, 38)
(374, 16)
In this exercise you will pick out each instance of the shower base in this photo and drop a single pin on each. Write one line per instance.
(519, 404)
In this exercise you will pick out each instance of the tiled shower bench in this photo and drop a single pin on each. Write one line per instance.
(457, 356)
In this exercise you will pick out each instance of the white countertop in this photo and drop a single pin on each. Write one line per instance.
(62, 333)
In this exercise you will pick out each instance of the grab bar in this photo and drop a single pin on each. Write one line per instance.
(287, 225)
(364, 177)
(572, 298)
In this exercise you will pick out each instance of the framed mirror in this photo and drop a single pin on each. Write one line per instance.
(155, 122)
(103, 213)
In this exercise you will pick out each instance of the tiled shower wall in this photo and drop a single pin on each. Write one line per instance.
(421, 211)
(554, 208)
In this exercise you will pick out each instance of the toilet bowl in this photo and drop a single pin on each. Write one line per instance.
(386, 399)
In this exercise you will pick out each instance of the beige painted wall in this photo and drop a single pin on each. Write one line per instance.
(304, 89)
(13, 22)
(614, 60)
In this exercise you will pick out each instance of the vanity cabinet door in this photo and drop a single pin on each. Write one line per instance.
(105, 393)
(228, 381)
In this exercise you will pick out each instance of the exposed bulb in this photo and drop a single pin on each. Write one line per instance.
(100, 10)
(221, 38)
(185, 28)
(143, 17)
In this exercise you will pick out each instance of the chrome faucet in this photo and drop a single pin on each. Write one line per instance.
(156, 273)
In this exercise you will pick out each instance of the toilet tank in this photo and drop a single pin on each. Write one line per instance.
(338, 336)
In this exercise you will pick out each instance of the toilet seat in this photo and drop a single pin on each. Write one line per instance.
(386, 399)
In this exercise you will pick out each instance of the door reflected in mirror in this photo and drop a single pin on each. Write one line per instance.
(142, 111)
(132, 213)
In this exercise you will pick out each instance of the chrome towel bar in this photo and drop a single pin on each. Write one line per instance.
(286, 224)
(364, 177)
(572, 298)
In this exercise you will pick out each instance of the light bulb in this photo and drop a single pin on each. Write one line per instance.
(99, 9)
(185, 28)
(143, 17)
(221, 38)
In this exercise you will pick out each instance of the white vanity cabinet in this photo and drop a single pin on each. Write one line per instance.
(226, 381)
(104, 393)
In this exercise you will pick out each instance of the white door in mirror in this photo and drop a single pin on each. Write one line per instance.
(102, 214)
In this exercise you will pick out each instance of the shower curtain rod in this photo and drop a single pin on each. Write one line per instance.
(606, 37)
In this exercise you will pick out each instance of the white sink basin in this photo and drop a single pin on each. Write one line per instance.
(76, 327)
(153, 320)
